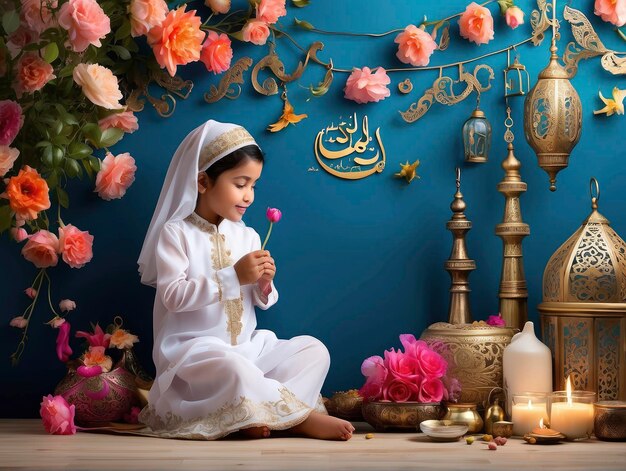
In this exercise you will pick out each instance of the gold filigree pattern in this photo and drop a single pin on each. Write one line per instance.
(282, 414)
(619, 252)
(608, 358)
(553, 272)
(225, 142)
(540, 21)
(578, 356)
(233, 76)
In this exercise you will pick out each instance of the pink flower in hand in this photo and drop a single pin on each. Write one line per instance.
(116, 175)
(476, 24)
(216, 52)
(19, 322)
(415, 46)
(273, 214)
(375, 372)
(363, 86)
(514, 17)
(75, 246)
(613, 11)
(431, 390)
(97, 339)
(399, 390)
(496, 321)
(63, 342)
(67, 305)
(57, 415)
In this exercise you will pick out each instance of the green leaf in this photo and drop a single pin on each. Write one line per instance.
(66, 71)
(110, 137)
(72, 168)
(94, 163)
(43, 144)
(122, 52)
(46, 157)
(10, 21)
(300, 3)
(123, 31)
(505, 5)
(57, 156)
(50, 53)
(64, 199)
(5, 217)
(303, 24)
(53, 180)
(78, 150)
(93, 133)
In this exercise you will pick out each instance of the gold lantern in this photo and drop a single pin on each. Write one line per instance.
(553, 114)
(583, 313)
(477, 136)
(516, 79)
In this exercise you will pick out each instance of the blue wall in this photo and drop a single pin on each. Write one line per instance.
(359, 262)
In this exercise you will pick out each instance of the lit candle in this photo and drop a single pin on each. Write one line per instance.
(526, 416)
(572, 419)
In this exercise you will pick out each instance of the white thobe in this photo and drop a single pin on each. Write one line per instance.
(215, 372)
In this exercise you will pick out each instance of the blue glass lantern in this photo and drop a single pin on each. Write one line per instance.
(477, 137)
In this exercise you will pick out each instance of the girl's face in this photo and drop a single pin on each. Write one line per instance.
(231, 193)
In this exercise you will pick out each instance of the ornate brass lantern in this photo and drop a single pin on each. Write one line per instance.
(477, 136)
(516, 79)
(553, 115)
(583, 313)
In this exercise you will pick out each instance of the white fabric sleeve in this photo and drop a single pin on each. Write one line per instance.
(261, 300)
(176, 291)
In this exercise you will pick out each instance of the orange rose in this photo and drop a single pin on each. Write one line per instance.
(75, 246)
(28, 194)
(476, 24)
(217, 53)
(178, 40)
(32, 74)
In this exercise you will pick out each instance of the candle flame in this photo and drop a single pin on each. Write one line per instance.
(530, 404)
(541, 423)
(568, 390)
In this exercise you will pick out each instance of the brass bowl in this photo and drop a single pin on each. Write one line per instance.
(502, 428)
(346, 405)
(609, 420)
(402, 416)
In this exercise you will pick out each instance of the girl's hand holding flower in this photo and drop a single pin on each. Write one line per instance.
(252, 266)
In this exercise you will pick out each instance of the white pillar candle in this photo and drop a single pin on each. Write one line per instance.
(526, 417)
(572, 419)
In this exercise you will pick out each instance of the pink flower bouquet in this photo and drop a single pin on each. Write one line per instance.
(416, 374)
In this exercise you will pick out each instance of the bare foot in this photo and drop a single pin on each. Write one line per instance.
(324, 427)
(256, 432)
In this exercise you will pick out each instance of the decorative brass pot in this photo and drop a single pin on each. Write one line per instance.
(387, 416)
(466, 413)
(474, 355)
(346, 405)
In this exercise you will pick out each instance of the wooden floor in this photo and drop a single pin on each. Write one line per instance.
(24, 445)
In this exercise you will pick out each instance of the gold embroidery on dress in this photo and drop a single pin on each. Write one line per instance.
(233, 139)
(230, 417)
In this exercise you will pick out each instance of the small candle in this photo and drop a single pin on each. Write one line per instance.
(573, 418)
(525, 417)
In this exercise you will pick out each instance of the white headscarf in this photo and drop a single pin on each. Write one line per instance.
(202, 147)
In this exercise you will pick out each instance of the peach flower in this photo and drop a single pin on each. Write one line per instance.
(415, 46)
(514, 17)
(67, 305)
(41, 249)
(216, 52)
(85, 22)
(75, 246)
(364, 86)
(122, 339)
(20, 38)
(57, 415)
(56, 322)
(476, 24)
(32, 74)
(18, 322)
(126, 121)
(19, 234)
(613, 11)
(178, 40)
(115, 176)
(96, 356)
(28, 193)
(269, 11)
(8, 156)
(99, 85)
(218, 6)
(146, 14)
(255, 32)
(37, 14)
(30, 292)
(11, 121)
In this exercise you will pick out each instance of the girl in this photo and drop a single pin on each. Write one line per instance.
(215, 373)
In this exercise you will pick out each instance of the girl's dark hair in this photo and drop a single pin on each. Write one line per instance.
(232, 160)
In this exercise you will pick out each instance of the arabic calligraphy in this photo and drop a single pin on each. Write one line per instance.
(347, 151)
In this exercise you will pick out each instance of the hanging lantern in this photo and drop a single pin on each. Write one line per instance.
(553, 114)
(516, 79)
(477, 136)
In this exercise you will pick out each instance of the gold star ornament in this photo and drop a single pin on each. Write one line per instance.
(409, 171)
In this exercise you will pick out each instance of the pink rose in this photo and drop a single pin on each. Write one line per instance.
(476, 24)
(145, 14)
(19, 322)
(38, 14)
(218, 6)
(432, 364)
(57, 415)
(613, 11)
(364, 86)
(11, 121)
(273, 215)
(375, 371)
(19, 234)
(30, 292)
(514, 17)
(452, 389)
(431, 390)
(115, 176)
(85, 22)
(67, 305)
(216, 52)
(269, 11)
(32, 74)
(63, 342)
(415, 46)
(399, 390)
(496, 321)
(19, 38)
(41, 249)
(8, 156)
(412, 346)
(255, 32)
(402, 366)
(97, 339)
(126, 121)
(75, 246)
(99, 85)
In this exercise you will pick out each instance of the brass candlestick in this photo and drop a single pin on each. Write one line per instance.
(513, 292)
(459, 265)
